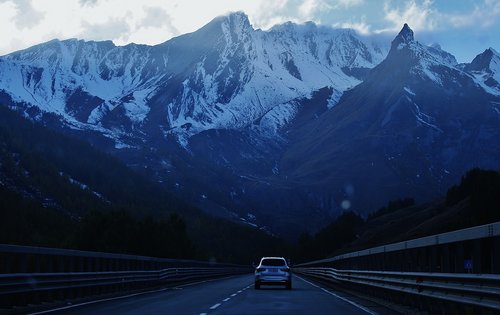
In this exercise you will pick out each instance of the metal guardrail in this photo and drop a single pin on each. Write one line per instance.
(359, 268)
(478, 290)
(38, 282)
(34, 275)
(473, 233)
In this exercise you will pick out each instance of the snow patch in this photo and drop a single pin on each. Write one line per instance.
(496, 107)
(425, 119)
(409, 91)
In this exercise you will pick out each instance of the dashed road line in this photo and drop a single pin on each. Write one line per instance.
(215, 306)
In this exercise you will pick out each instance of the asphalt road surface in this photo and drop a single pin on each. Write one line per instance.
(234, 295)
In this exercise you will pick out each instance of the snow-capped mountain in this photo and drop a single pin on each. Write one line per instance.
(289, 125)
(486, 68)
(414, 126)
(225, 75)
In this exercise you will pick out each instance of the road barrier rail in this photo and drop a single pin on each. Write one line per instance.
(478, 290)
(54, 275)
(420, 268)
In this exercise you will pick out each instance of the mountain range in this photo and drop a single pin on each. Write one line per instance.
(281, 128)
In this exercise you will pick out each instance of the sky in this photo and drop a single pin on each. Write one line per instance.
(464, 28)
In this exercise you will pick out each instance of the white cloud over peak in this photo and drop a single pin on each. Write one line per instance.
(361, 26)
(268, 13)
(116, 28)
(309, 7)
(419, 16)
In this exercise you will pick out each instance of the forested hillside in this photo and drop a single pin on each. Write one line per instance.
(59, 191)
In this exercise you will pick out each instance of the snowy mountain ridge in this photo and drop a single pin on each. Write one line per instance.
(280, 123)
(486, 69)
(225, 75)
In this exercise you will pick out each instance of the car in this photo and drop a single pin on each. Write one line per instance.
(273, 271)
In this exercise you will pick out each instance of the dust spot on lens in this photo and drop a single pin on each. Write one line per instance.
(346, 204)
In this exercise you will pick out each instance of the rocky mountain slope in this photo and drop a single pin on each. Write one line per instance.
(281, 128)
(225, 75)
(412, 128)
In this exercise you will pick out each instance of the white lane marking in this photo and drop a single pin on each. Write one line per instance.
(126, 296)
(225, 300)
(97, 301)
(215, 306)
(340, 297)
(199, 282)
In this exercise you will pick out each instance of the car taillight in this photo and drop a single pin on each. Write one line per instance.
(260, 269)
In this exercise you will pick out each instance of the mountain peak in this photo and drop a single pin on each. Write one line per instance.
(238, 14)
(405, 36)
(239, 18)
(483, 61)
(492, 51)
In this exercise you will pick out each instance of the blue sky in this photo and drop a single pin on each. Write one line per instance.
(462, 27)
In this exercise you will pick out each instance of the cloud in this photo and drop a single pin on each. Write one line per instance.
(26, 16)
(309, 7)
(156, 17)
(423, 16)
(419, 16)
(484, 15)
(350, 3)
(113, 29)
(361, 26)
(269, 13)
(89, 3)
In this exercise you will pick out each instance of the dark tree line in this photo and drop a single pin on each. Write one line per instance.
(477, 197)
(43, 202)
(480, 191)
(28, 222)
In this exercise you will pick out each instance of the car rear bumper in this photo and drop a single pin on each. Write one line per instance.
(273, 279)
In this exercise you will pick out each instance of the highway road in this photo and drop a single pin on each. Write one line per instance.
(234, 295)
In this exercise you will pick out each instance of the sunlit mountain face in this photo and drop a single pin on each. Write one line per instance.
(281, 129)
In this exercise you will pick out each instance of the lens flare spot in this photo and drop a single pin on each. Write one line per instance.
(346, 204)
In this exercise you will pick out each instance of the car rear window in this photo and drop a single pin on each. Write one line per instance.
(273, 262)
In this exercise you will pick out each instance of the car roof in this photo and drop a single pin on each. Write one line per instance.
(271, 257)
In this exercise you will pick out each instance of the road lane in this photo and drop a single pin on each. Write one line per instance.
(187, 299)
(304, 298)
(234, 295)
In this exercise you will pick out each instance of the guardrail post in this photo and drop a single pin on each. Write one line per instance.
(495, 255)
(486, 257)
(6, 263)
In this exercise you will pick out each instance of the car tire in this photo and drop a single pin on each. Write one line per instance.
(257, 286)
(289, 285)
